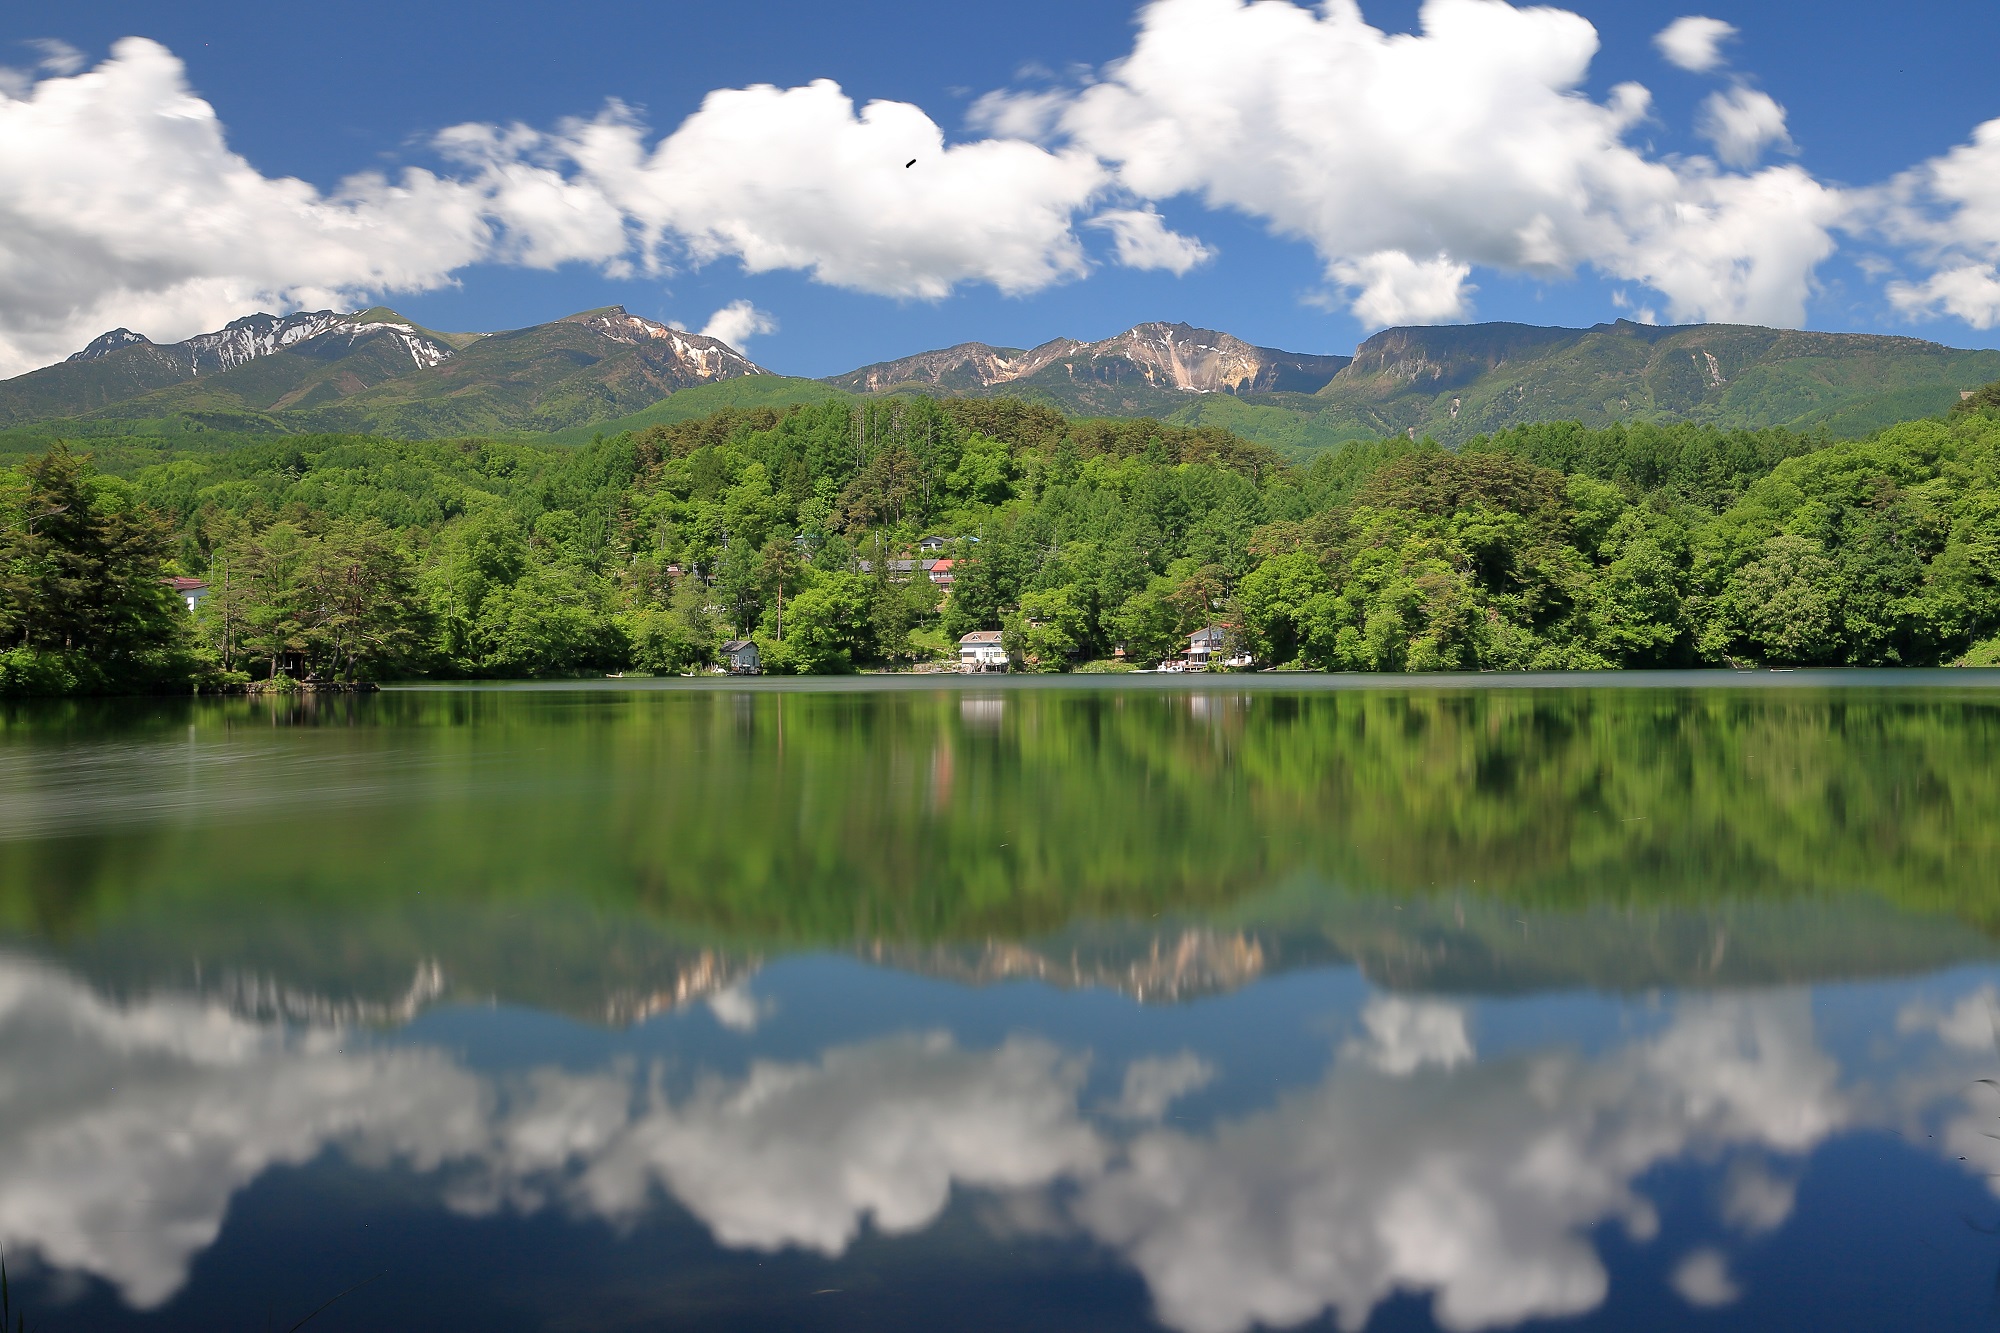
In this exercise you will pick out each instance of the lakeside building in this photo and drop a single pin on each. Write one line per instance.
(982, 650)
(190, 591)
(1205, 646)
(740, 658)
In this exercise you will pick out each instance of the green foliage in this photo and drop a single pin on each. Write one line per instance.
(1539, 547)
(83, 603)
(828, 626)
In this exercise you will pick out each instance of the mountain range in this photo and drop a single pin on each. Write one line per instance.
(1456, 381)
(608, 370)
(378, 372)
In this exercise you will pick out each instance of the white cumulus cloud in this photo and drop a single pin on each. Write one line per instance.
(1143, 240)
(1947, 211)
(797, 178)
(1742, 123)
(736, 324)
(1694, 42)
(1389, 287)
(120, 203)
(1408, 159)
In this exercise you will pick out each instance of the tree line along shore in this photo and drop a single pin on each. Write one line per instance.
(1089, 544)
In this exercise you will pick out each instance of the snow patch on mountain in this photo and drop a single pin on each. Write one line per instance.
(259, 335)
(703, 358)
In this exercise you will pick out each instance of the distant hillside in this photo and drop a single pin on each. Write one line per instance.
(1455, 382)
(373, 372)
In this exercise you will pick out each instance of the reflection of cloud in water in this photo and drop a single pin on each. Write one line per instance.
(1973, 1024)
(738, 1010)
(1477, 1183)
(1405, 1035)
(124, 1130)
(1157, 1082)
(1703, 1279)
(799, 1154)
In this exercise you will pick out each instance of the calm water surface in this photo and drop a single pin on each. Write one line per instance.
(1199, 1005)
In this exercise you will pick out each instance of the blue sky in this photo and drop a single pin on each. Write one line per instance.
(320, 93)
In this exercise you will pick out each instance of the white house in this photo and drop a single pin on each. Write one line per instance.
(740, 656)
(982, 650)
(190, 591)
(1205, 645)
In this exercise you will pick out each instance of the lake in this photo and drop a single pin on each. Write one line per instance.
(1204, 1004)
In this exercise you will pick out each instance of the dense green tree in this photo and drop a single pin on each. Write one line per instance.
(830, 624)
(1549, 546)
(83, 604)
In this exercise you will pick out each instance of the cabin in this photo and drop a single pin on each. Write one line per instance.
(190, 591)
(739, 658)
(1205, 645)
(932, 545)
(982, 650)
(941, 573)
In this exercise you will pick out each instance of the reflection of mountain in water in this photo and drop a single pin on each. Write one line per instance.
(381, 973)
(1153, 968)
(1412, 1161)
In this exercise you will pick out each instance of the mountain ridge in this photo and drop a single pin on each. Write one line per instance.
(374, 370)
(1453, 382)
(1156, 355)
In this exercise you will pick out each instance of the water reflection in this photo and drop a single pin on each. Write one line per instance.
(1204, 1008)
(1421, 1157)
(933, 821)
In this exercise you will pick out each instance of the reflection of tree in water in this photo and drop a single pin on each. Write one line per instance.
(826, 817)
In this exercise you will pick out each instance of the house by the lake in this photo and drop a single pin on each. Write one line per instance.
(1205, 646)
(739, 658)
(982, 650)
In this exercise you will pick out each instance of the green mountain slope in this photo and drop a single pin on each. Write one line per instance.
(776, 391)
(1454, 383)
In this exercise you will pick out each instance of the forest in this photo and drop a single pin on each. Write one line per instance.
(1093, 544)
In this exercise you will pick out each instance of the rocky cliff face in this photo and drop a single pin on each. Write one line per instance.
(1177, 356)
(1169, 357)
